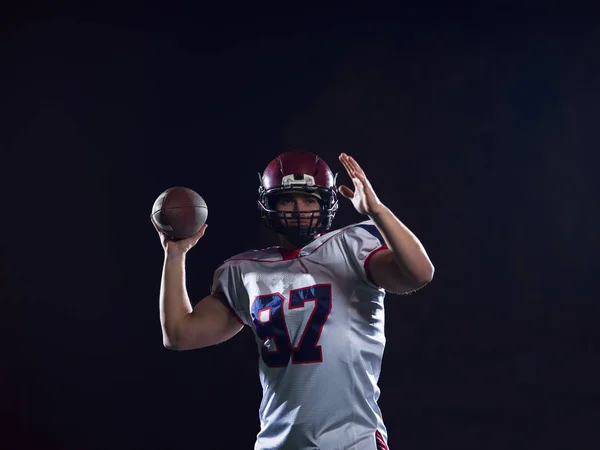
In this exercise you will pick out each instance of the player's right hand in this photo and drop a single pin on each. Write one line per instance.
(179, 247)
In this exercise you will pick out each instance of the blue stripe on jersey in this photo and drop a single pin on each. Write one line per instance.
(374, 231)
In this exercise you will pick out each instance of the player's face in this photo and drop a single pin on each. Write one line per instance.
(299, 203)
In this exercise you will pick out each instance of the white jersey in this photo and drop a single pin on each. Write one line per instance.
(318, 321)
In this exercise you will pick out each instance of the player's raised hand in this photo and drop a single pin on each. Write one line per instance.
(363, 196)
(181, 246)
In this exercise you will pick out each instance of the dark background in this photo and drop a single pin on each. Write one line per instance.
(478, 127)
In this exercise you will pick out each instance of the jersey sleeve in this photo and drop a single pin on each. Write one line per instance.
(361, 242)
(227, 288)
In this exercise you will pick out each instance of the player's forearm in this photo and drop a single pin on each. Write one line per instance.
(174, 301)
(408, 252)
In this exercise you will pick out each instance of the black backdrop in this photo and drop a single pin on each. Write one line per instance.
(476, 126)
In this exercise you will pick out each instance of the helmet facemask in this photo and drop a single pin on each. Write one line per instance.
(290, 223)
(298, 172)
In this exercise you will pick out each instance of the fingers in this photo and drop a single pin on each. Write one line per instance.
(183, 243)
(351, 166)
(344, 159)
(346, 191)
(195, 238)
(163, 236)
(349, 161)
(201, 232)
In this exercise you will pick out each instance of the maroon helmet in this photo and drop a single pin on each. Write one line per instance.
(293, 172)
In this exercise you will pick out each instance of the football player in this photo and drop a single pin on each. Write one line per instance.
(315, 304)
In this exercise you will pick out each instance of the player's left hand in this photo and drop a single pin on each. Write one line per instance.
(363, 197)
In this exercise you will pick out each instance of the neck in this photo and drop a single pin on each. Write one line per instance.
(296, 244)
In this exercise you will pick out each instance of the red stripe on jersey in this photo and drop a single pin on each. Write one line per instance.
(289, 254)
(381, 445)
(368, 259)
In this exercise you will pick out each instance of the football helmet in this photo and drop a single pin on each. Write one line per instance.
(298, 172)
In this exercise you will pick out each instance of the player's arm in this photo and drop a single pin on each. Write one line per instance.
(209, 323)
(186, 328)
(404, 266)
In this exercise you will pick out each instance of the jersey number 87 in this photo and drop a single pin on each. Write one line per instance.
(270, 324)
